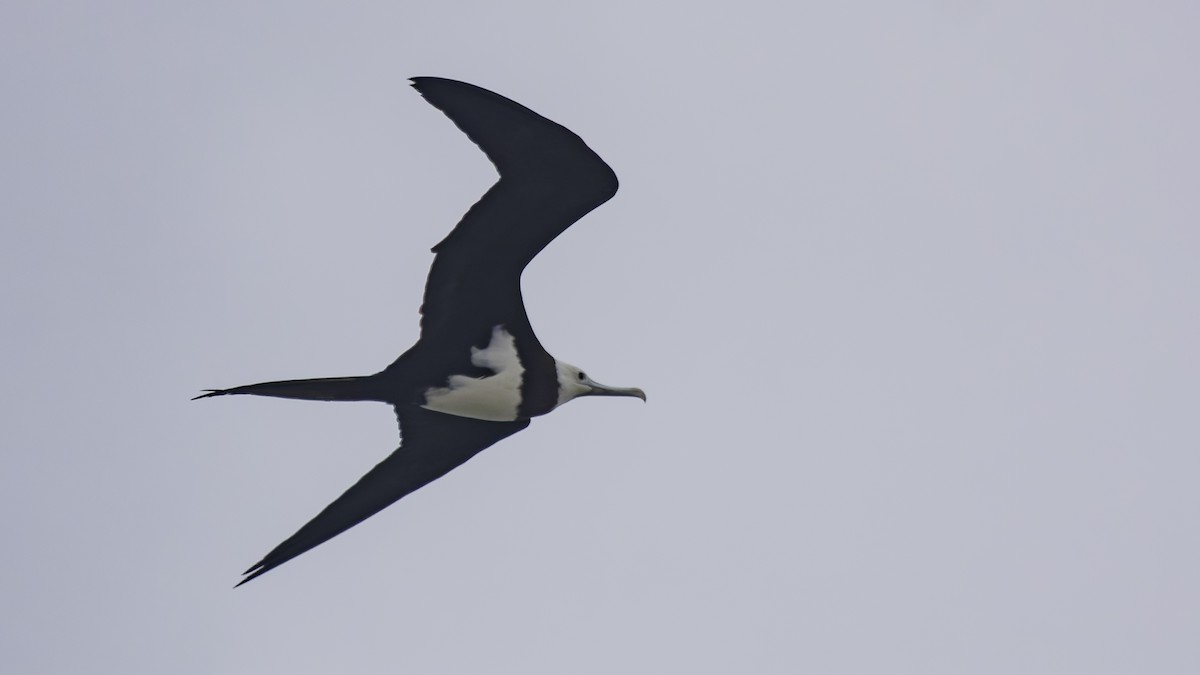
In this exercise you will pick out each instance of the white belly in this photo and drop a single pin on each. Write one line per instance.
(495, 397)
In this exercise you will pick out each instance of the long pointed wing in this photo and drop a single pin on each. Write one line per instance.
(432, 445)
(549, 178)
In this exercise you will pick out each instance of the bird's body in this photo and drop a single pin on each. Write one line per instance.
(478, 372)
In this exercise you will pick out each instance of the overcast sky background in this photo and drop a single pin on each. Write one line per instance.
(912, 288)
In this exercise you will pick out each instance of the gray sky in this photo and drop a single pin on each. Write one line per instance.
(912, 289)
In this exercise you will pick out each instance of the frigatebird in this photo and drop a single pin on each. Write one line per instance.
(478, 373)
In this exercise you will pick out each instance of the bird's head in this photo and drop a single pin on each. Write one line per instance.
(573, 383)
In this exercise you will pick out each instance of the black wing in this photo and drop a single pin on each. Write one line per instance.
(549, 178)
(432, 445)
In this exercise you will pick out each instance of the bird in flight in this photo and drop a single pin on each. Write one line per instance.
(478, 372)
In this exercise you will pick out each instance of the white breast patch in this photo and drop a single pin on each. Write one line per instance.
(495, 397)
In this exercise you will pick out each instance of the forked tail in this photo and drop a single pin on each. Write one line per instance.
(319, 389)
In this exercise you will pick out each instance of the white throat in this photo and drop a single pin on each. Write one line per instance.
(570, 384)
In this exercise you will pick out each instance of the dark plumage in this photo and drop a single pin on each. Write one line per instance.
(478, 373)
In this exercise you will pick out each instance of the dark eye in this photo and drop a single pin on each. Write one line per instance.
(582, 377)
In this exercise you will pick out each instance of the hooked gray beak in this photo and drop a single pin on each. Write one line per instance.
(605, 390)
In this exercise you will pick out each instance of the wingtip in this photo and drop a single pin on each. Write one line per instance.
(254, 573)
(423, 83)
(208, 393)
(418, 81)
